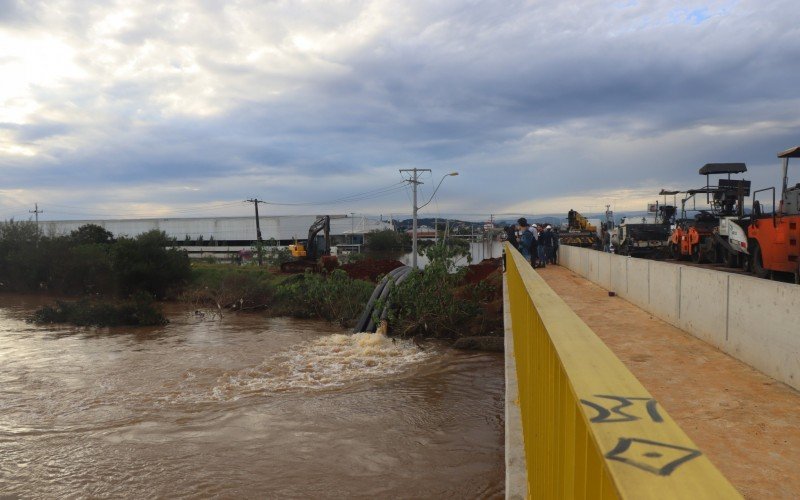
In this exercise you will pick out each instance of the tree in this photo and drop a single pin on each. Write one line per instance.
(91, 234)
(383, 240)
(150, 262)
(21, 263)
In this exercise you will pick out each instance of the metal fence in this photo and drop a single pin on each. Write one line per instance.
(590, 429)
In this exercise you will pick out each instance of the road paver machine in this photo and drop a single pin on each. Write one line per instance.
(774, 234)
(715, 233)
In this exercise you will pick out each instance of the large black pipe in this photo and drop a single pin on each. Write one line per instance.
(401, 271)
(388, 304)
(361, 325)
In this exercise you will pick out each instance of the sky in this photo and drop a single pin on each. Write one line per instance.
(187, 108)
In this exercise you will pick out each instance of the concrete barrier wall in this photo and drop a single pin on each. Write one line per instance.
(750, 319)
(583, 267)
(762, 326)
(704, 304)
(665, 291)
(592, 262)
(604, 270)
(619, 275)
(638, 282)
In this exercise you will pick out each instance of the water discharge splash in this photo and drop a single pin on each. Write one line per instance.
(332, 361)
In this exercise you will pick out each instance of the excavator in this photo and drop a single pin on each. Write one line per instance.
(774, 238)
(311, 256)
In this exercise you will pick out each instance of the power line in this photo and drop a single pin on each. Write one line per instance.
(375, 193)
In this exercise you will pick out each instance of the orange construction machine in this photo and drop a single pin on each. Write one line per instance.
(715, 234)
(774, 237)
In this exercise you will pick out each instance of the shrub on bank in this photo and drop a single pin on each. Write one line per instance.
(436, 302)
(139, 311)
(334, 297)
(426, 303)
(224, 286)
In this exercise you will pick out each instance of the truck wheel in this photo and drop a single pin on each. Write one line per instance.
(758, 263)
(730, 259)
(712, 255)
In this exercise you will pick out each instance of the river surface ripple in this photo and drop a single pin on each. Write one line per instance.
(242, 406)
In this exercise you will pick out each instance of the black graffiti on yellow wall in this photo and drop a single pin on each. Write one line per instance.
(612, 409)
(651, 456)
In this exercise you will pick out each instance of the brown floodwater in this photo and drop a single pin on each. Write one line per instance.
(242, 406)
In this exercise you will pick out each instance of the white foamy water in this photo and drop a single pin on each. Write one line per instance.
(331, 361)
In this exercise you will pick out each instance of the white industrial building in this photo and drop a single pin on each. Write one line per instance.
(203, 236)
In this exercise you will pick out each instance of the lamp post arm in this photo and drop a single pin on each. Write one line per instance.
(434, 192)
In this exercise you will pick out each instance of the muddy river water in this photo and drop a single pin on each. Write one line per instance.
(242, 406)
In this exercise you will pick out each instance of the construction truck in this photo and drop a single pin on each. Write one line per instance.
(579, 232)
(773, 236)
(310, 256)
(715, 233)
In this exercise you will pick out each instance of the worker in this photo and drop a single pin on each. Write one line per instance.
(554, 259)
(525, 238)
(511, 236)
(606, 241)
(545, 246)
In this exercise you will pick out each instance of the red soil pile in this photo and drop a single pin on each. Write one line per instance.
(370, 269)
(480, 271)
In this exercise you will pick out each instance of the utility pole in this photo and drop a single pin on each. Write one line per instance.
(36, 213)
(414, 181)
(491, 234)
(352, 229)
(260, 244)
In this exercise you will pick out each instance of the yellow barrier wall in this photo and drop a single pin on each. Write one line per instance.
(590, 428)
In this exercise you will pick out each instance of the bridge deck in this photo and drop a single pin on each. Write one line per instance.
(747, 423)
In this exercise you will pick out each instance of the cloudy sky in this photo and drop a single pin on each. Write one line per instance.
(186, 108)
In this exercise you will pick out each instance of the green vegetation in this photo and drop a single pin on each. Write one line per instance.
(139, 311)
(445, 252)
(134, 271)
(89, 260)
(230, 287)
(437, 303)
(335, 297)
(274, 256)
(387, 240)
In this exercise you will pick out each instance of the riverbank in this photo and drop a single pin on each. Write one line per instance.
(435, 303)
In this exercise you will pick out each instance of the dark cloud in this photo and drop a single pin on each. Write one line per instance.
(552, 98)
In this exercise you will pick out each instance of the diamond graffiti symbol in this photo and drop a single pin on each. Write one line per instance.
(659, 458)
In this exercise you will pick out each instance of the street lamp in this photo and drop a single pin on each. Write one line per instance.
(415, 182)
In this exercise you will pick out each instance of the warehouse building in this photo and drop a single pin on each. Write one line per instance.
(225, 236)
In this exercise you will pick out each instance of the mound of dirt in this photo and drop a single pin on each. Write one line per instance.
(370, 269)
(480, 271)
